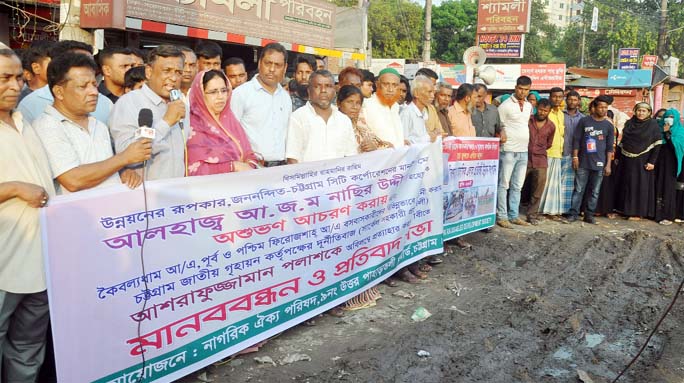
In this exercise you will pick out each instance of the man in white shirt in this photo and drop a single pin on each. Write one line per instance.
(263, 107)
(25, 186)
(318, 131)
(515, 115)
(382, 111)
(78, 145)
(415, 115)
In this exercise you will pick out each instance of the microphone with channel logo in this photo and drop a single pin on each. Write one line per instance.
(177, 95)
(145, 121)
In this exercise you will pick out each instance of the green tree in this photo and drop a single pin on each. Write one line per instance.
(622, 24)
(542, 38)
(675, 38)
(453, 29)
(395, 28)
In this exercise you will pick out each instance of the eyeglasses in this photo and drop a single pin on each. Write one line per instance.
(216, 92)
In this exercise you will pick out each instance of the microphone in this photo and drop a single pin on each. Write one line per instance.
(145, 129)
(177, 95)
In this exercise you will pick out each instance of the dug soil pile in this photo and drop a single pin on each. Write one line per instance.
(550, 303)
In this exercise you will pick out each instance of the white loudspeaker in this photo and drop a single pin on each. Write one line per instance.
(487, 74)
(474, 57)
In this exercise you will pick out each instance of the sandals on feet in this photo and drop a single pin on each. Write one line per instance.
(408, 277)
(434, 260)
(415, 270)
(337, 312)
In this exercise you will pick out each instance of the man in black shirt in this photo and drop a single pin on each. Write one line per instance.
(114, 63)
(592, 150)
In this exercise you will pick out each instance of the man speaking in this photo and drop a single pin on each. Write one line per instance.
(164, 70)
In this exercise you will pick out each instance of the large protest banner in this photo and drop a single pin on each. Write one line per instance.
(229, 259)
(471, 171)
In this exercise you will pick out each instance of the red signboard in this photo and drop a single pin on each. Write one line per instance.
(648, 61)
(544, 76)
(503, 16)
(103, 14)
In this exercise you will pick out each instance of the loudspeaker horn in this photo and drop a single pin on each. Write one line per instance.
(487, 75)
(474, 57)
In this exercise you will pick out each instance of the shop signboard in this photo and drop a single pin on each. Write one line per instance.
(504, 45)
(503, 16)
(628, 58)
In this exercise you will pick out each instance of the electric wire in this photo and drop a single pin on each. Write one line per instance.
(660, 321)
(142, 265)
(411, 45)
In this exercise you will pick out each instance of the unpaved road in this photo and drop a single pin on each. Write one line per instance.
(533, 304)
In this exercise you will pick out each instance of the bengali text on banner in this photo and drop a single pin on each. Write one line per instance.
(230, 260)
(471, 171)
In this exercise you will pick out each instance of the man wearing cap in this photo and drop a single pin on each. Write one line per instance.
(382, 111)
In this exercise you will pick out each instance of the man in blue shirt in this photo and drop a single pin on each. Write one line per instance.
(592, 149)
(33, 105)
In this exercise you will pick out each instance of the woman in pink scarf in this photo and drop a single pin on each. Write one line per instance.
(217, 143)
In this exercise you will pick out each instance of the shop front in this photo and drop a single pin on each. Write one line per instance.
(240, 26)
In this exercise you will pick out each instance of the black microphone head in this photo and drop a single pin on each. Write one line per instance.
(145, 117)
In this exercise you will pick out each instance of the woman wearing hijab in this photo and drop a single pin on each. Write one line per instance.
(217, 143)
(608, 197)
(533, 98)
(673, 134)
(641, 141)
(667, 169)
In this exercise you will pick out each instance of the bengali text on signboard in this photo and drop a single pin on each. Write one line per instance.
(308, 22)
(503, 16)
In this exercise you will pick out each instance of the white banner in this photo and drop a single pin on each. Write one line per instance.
(229, 259)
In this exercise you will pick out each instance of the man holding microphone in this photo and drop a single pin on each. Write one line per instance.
(164, 70)
(77, 144)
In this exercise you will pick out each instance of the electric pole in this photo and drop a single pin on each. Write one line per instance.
(584, 37)
(428, 30)
(662, 34)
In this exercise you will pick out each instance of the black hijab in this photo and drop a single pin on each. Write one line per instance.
(638, 135)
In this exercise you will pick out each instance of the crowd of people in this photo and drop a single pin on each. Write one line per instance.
(69, 123)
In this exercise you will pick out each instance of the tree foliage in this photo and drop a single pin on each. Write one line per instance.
(541, 40)
(453, 29)
(622, 24)
(395, 28)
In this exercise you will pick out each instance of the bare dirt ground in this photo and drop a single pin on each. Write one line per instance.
(534, 304)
